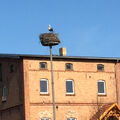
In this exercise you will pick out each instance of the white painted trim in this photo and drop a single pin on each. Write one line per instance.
(47, 86)
(104, 87)
(73, 88)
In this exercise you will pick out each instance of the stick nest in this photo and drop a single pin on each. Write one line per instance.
(49, 39)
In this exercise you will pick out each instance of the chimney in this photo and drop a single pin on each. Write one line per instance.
(62, 51)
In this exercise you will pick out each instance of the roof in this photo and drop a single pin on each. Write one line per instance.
(104, 110)
(100, 112)
(18, 56)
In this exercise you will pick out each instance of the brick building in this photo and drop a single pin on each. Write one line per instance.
(86, 88)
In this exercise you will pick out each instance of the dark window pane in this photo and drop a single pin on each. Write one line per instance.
(71, 119)
(43, 65)
(100, 67)
(43, 86)
(11, 68)
(45, 119)
(0, 72)
(68, 66)
(69, 86)
(4, 92)
(101, 87)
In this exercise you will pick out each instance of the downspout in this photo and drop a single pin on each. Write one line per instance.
(117, 91)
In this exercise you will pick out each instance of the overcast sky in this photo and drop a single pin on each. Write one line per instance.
(85, 27)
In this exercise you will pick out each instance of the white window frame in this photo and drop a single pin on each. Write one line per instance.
(70, 93)
(71, 118)
(104, 87)
(45, 119)
(47, 86)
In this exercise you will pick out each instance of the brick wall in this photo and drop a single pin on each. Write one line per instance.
(118, 80)
(12, 78)
(85, 99)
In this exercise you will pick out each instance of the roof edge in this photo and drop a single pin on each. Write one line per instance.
(17, 56)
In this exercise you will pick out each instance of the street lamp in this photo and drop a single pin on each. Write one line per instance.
(50, 39)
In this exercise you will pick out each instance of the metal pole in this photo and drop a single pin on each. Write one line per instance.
(52, 83)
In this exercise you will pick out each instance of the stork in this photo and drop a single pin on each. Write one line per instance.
(50, 28)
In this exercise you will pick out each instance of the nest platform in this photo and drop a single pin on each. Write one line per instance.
(49, 39)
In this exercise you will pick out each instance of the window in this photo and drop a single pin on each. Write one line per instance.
(11, 68)
(101, 87)
(44, 86)
(69, 66)
(100, 67)
(45, 119)
(69, 87)
(0, 72)
(71, 119)
(43, 65)
(4, 94)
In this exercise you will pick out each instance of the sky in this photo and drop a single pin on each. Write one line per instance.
(85, 27)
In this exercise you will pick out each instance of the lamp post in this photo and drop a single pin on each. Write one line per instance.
(51, 39)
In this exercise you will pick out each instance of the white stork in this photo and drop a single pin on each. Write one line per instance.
(50, 28)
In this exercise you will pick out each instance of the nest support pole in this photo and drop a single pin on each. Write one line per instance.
(52, 83)
(50, 39)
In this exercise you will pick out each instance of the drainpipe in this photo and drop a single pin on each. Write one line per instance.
(117, 91)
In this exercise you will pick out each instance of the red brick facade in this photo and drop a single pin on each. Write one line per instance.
(25, 102)
(12, 78)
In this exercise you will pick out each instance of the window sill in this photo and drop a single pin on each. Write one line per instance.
(102, 94)
(69, 70)
(44, 94)
(100, 71)
(43, 69)
(72, 94)
(3, 99)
